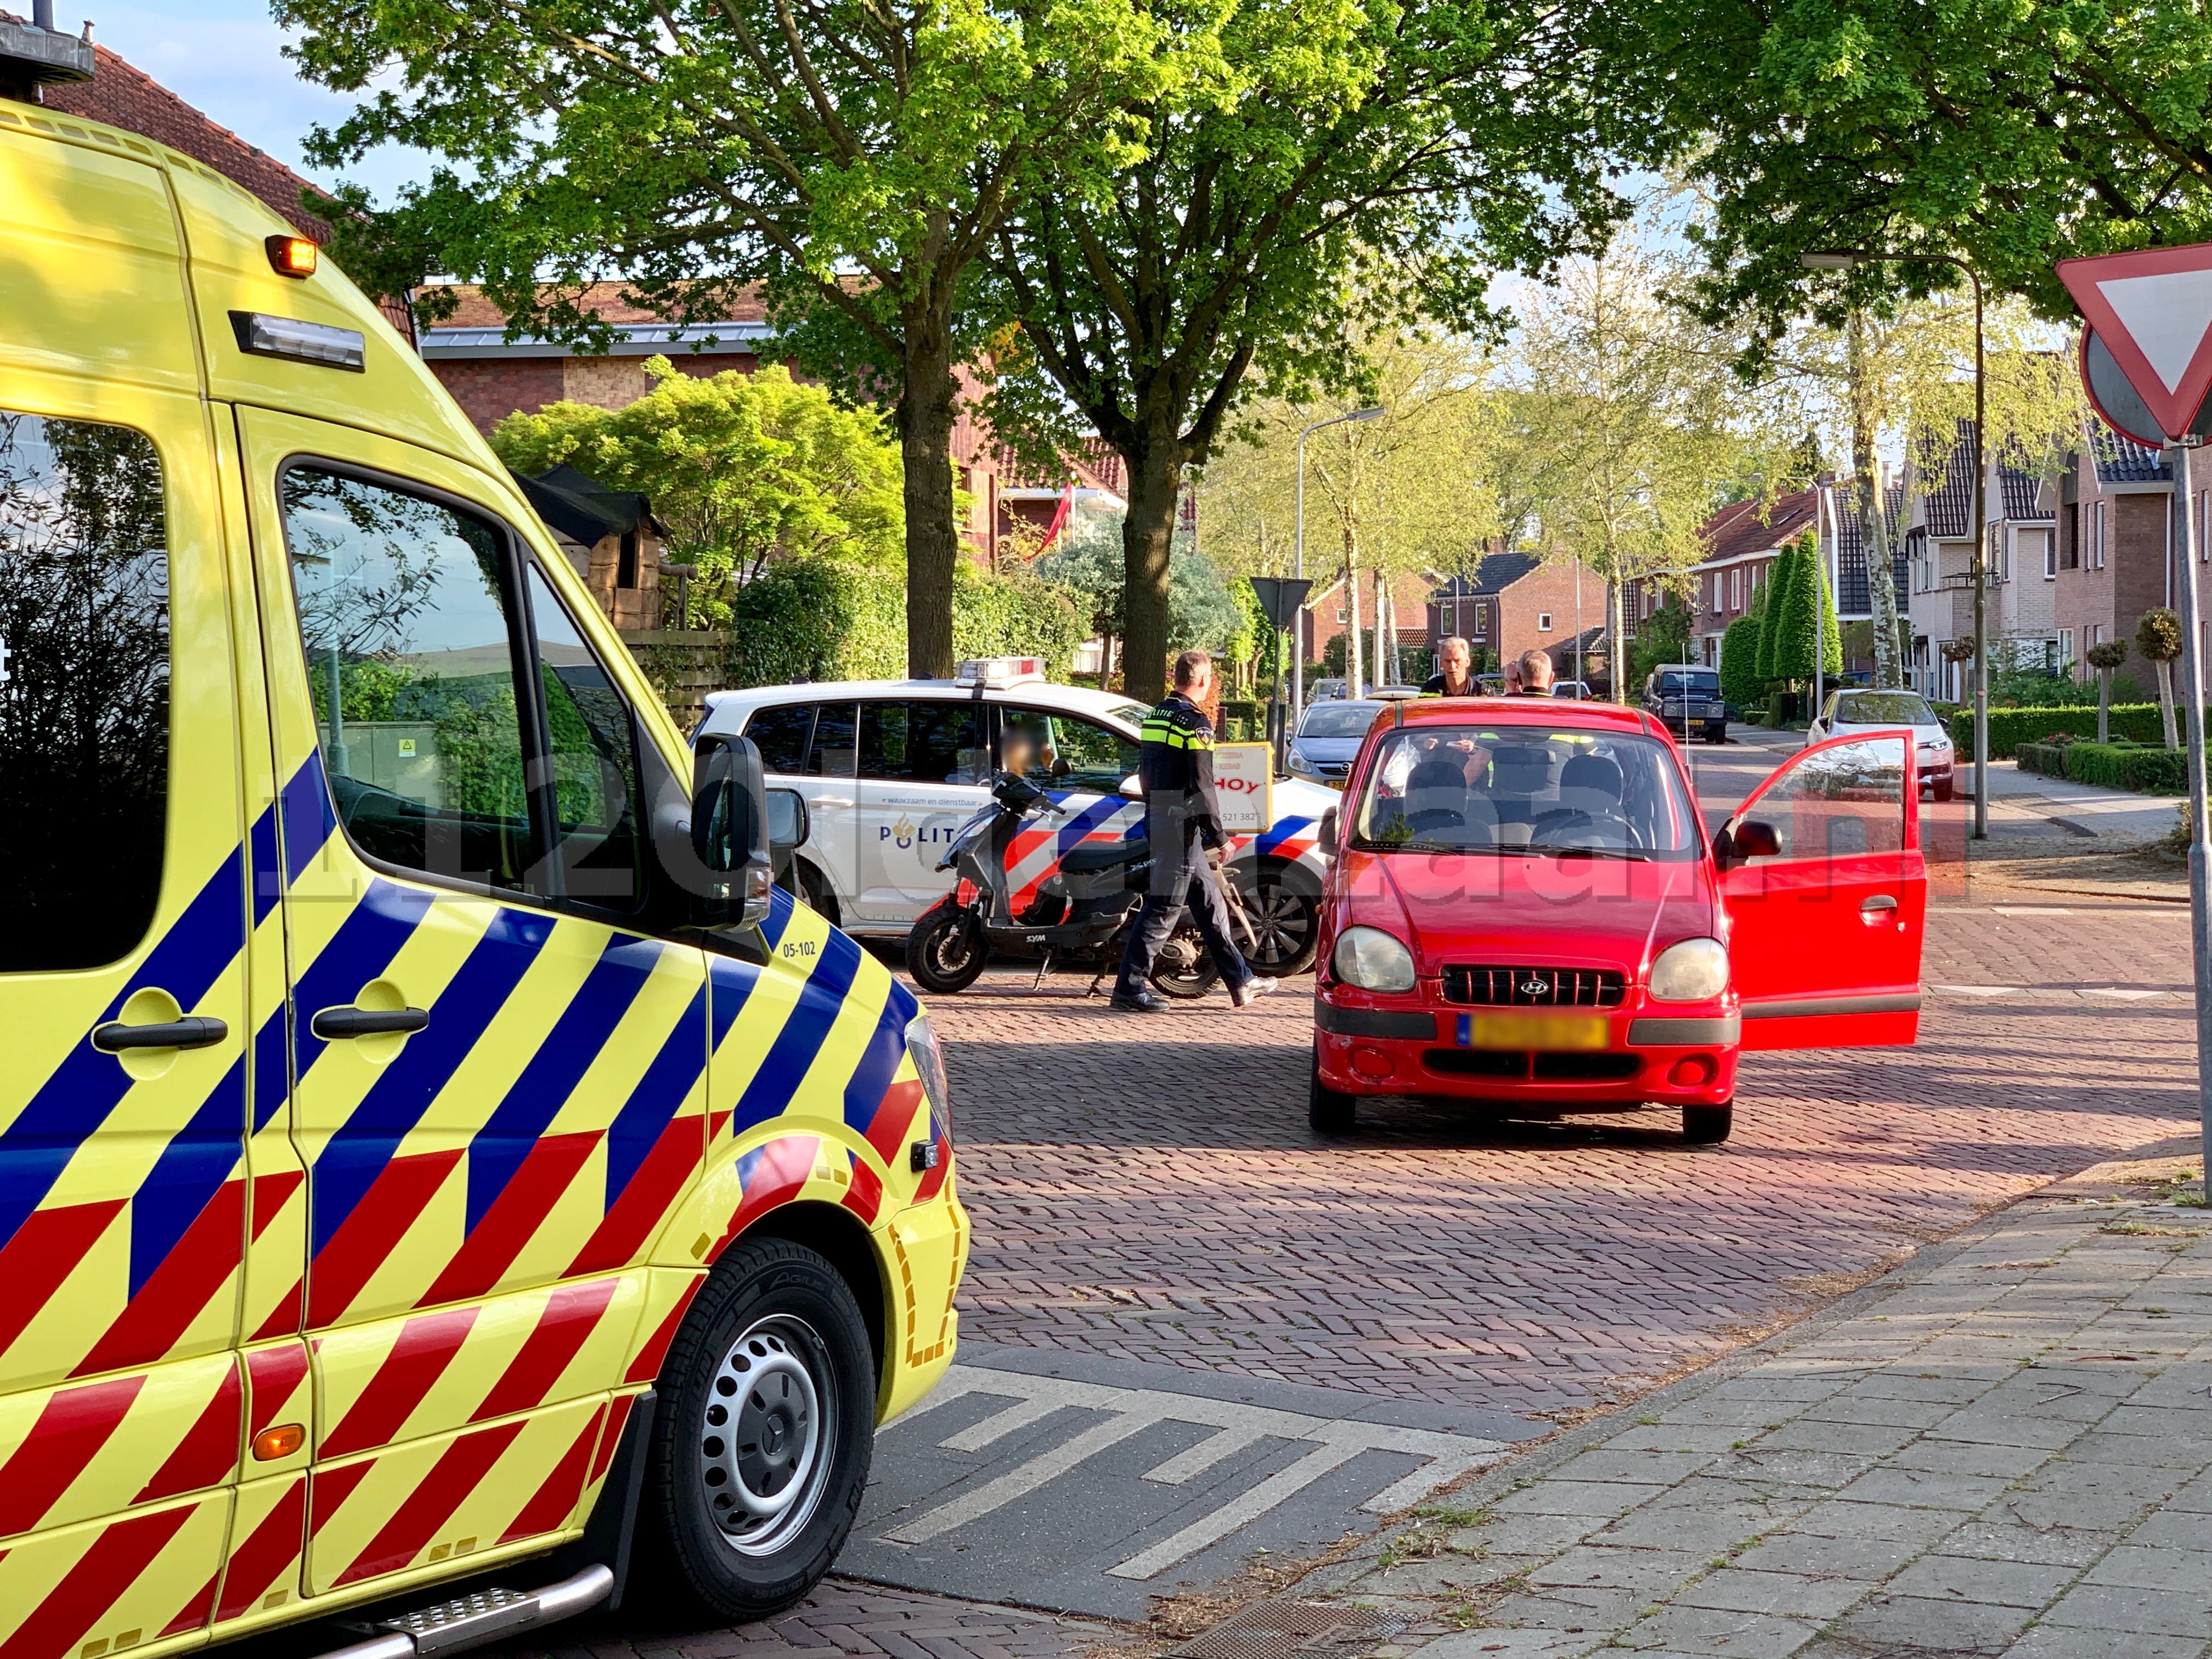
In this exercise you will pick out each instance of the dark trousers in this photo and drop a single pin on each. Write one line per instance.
(1157, 922)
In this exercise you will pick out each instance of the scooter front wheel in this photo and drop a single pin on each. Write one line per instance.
(945, 952)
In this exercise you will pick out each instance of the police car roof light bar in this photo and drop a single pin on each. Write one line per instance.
(999, 671)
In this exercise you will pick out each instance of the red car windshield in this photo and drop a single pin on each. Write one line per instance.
(1525, 789)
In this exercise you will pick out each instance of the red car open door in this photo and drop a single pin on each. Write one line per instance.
(1827, 895)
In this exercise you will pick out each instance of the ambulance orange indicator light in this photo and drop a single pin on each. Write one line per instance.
(291, 256)
(281, 1441)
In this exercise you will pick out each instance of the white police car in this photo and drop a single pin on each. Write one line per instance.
(889, 769)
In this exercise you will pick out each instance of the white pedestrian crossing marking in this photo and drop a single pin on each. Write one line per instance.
(1443, 1457)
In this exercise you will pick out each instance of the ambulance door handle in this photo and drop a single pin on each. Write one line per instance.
(335, 1023)
(193, 1032)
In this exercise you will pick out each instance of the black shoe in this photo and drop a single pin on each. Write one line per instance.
(1251, 991)
(1139, 1001)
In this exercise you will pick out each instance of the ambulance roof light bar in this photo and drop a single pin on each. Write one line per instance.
(999, 672)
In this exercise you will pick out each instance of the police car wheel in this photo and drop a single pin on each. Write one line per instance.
(1285, 922)
(1708, 1125)
(761, 1442)
(946, 952)
(1329, 1111)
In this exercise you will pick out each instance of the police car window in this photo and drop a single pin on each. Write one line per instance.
(1526, 790)
(84, 691)
(926, 741)
(1059, 752)
(1839, 802)
(404, 617)
(591, 758)
(780, 734)
(836, 741)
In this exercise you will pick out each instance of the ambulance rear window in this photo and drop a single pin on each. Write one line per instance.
(84, 691)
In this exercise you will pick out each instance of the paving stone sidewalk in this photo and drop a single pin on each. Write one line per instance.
(2002, 1448)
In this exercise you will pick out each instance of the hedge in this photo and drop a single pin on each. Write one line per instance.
(2124, 766)
(2011, 727)
(2048, 759)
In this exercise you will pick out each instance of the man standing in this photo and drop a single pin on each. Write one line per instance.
(1182, 819)
(1456, 678)
(1535, 675)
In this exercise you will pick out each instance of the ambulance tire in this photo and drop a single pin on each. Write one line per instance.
(1329, 1111)
(1708, 1125)
(946, 951)
(770, 1311)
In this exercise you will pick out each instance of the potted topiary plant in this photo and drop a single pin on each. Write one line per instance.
(2105, 659)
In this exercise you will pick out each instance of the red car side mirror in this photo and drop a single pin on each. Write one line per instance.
(1752, 839)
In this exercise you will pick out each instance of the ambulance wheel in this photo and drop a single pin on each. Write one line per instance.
(760, 1445)
(945, 952)
(1184, 967)
(1285, 922)
(1329, 1111)
(1708, 1125)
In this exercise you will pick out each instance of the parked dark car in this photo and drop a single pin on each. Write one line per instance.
(1686, 700)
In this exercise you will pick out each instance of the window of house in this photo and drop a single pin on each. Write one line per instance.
(2069, 535)
(2065, 649)
(2050, 556)
(1543, 622)
(84, 691)
(2096, 535)
(2004, 538)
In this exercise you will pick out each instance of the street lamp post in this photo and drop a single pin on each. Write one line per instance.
(1298, 568)
(1845, 260)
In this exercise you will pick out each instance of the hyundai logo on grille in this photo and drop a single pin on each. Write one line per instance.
(1534, 988)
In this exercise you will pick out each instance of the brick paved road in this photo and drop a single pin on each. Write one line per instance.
(1149, 1190)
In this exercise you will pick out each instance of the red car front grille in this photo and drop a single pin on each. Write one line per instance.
(1536, 987)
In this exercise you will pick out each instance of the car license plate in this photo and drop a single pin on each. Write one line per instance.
(1534, 1031)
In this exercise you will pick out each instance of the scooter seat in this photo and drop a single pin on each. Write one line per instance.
(1087, 856)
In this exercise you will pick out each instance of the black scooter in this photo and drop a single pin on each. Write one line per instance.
(1080, 915)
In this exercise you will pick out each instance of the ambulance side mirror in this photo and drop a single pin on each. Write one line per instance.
(1326, 834)
(730, 833)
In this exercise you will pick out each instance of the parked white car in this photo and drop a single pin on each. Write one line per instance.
(889, 769)
(1854, 709)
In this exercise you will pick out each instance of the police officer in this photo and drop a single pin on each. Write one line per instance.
(1182, 820)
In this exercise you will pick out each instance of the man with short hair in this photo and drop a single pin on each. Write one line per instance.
(1456, 671)
(1182, 819)
(1535, 675)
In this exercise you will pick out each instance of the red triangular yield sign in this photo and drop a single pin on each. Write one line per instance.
(2153, 310)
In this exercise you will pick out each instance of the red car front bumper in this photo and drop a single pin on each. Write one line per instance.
(1418, 1045)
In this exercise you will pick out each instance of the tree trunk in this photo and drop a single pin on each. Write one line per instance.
(925, 416)
(1384, 674)
(2165, 702)
(1616, 668)
(1147, 540)
(1873, 526)
(2104, 705)
(1352, 664)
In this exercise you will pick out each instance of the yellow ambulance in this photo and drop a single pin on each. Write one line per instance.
(428, 1141)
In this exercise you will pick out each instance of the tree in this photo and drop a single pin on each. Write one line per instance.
(855, 157)
(1404, 492)
(1359, 164)
(741, 468)
(1086, 564)
(1741, 684)
(2105, 657)
(1637, 423)
(2158, 637)
(2012, 135)
(1771, 601)
(1801, 617)
(1663, 637)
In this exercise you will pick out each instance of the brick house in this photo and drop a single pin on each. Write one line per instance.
(1744, 539)
(1327, 617)
(2113, 547)
(2020, 605)
(1517, 602)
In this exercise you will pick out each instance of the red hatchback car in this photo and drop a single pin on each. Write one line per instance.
(1523, 909)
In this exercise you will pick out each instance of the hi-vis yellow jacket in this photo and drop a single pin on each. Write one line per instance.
(346, 1279)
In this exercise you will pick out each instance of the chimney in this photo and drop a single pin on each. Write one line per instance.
(36, 54)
